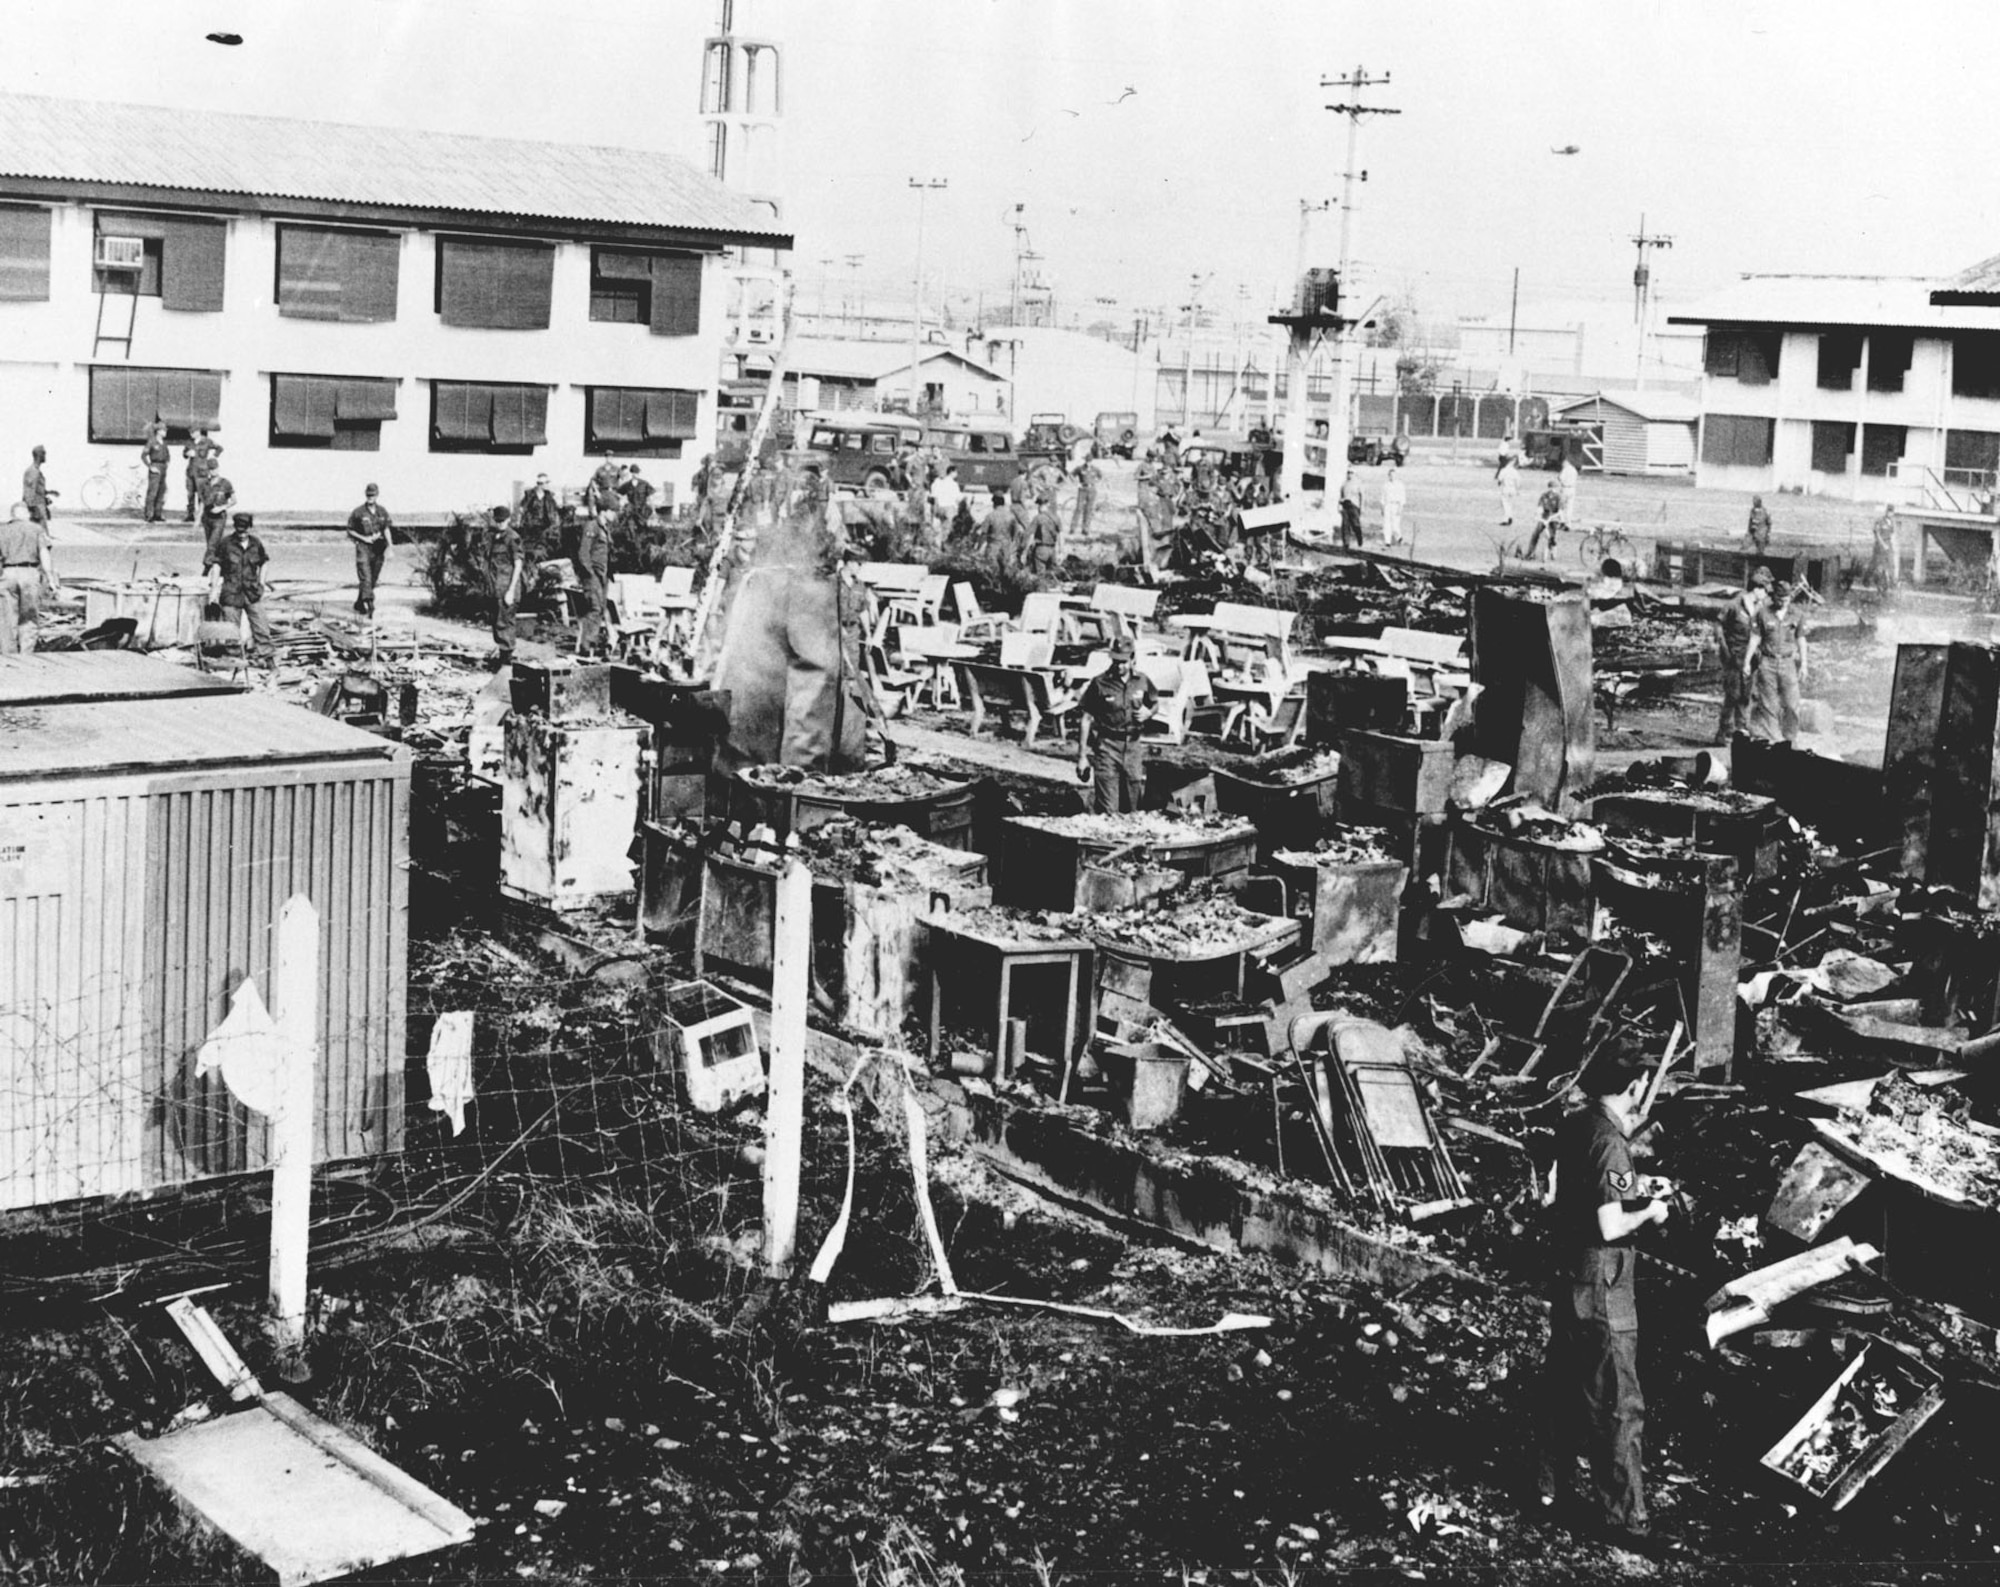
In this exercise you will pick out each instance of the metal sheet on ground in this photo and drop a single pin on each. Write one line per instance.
(298, 1493)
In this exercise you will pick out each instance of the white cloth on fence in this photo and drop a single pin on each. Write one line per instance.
(449, 1066)
(248, 1048)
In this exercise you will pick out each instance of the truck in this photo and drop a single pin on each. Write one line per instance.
(1116, 432)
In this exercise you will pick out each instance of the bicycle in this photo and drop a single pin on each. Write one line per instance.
(114, 486)
(1605, 544)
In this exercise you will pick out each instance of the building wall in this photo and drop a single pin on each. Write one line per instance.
(46, 352)
(1925, 408)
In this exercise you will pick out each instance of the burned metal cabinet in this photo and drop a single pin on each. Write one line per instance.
(146, 847)
(570, 789)
(1909, 747)
(1953, 840)
(1531, 658)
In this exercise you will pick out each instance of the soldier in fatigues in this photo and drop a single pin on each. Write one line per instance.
(1591, 1402)
(1115, 708)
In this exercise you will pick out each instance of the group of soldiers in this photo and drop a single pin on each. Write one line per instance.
(1764, 659)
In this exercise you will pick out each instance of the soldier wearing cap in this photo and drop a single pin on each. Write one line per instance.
(593, 572)
(500, 551)
(368, 527)
(235, 568)
(27, 567)
(540, 516)
(1740, 638)
(1591, 1401)
(201, 454)
(157, 456)
(1114, 709)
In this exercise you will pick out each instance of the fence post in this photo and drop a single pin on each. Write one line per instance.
(784, 1104)
(295, 1011)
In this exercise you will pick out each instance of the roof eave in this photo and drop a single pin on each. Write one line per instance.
(280, 206)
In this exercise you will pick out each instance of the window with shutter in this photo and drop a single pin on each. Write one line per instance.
(495, 285)
(1882, 448)
(191, 265)
(1832, 445)
(676, 295)
(326, 274)
(124, 402)
(335, 413)
(639, 421)
(24, 254)
(480, 417)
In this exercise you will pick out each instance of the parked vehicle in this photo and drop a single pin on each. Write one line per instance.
(860, 449)
(1547, 446)
(1372, 449)
(1117, 433)
(982, 450)
(1048, 439)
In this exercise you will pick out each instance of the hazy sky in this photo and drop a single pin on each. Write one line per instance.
(1823, 136)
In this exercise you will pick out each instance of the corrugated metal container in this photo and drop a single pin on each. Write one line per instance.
(146, 848)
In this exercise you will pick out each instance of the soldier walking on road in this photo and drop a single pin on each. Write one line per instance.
(1394, 495)
(1760, 526)
(368, 527)
(35, 493)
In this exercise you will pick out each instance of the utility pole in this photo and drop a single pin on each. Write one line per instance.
(825, 264)
(853, 263)
(1020, 252)
(1298, 354)
(1642, 292)
(924, 190)
(1356, 82)
(1513, 310)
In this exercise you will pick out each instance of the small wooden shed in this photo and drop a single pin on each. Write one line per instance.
(1645, 432)
(150, 830)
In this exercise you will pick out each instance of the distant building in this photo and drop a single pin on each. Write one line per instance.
(465, 311)
(827, 372)
(1644, 432)
(1873, 388)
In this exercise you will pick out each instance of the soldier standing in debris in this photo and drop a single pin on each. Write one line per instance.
(540, 517)
(593, 572)
(1760, 526)
(1781, 664)
(501, 552)
(1591, 1401)
(26, 567)
(1739, 653)
(1114, 709)
(235, 569)
(368, 527)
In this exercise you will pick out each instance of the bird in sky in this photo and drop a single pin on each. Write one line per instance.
(1567, 148)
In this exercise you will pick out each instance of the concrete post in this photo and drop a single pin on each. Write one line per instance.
(295, 996)
(784, 1103)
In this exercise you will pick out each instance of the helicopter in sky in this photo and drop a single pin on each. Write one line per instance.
(1567, 148)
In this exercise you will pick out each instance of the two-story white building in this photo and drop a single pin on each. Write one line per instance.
(1865, 387)
(461, 312)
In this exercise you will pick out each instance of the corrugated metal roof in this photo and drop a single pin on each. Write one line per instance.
(857, 359)
(54, 677)
(1656, 407)
(1978, 283)
(275, 158)
(173, 737)
(1902, 301)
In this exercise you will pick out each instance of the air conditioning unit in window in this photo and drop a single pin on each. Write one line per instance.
(121, 253)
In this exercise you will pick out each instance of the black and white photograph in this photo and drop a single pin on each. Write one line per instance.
(999, 793)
